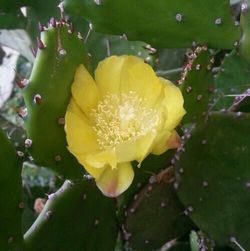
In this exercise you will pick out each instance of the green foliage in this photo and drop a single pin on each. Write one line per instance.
(12, 21)
(213, 178)
(197, 84)
(245, 22)
(170, 23)
(100, 46)
(11, 204)
(77, 217)
(241, 102)
(40, 12)
(158, 211)
(180, 247)
(15, 133)
(146, 232)
(149, 169)
(12, 5)
(231, 81)
(47, 96)
(200, 241)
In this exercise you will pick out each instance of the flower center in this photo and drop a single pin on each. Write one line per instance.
(120, 118)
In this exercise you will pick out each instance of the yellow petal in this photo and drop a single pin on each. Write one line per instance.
(166, 140)
(102, 158)
(111, 71)
(113, 182)
(137, 149)
(95, 172)
(80, 135)
(143, 81)
(173, 101)
(84, 90)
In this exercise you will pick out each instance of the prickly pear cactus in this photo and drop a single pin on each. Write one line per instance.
(70, 207)
(170, 23)
(47, 94)
(210, 183)
(11, 205)
(94, 115)
(196, 84)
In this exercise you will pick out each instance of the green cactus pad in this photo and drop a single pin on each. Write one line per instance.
(47, 96)
(199, 241)
(245, 23)
(12, 21)
(241, 102)
(156, 215)
(148, 170)
(100, 47)
(232, 80)
(15, 133)
(179, 246)
(197, 84)
(77, 217)
(165, 23)
(12, 5)
(214, 178)
(11, 204)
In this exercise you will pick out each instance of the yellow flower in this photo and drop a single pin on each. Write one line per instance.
(122, 115)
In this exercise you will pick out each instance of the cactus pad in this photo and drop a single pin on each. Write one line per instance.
(164, 23)
(197, 84)
(214, 179)
(156, 215)
(11, 203)
(47, 96)
(77, 217)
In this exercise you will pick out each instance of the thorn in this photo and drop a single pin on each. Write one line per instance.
(88, 33)
(20, 154)
(22, 112)
(61, 7)
(150, 49)
(235, 241)
(37, 99)
(22, 83)
(40, 27)
(179, 17)
(132, 210)
(61, 121)
(40, 44)
(199, 97)
(28, 143)
(79, 35)
(63, 20)
(108, 47)
(244, 7)
(53, 22)
(124, 36)
(48, 214)
(71, 29)
(58, 158)
(59, 24)
(62, 52)
(21, 205)
(98, 2)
